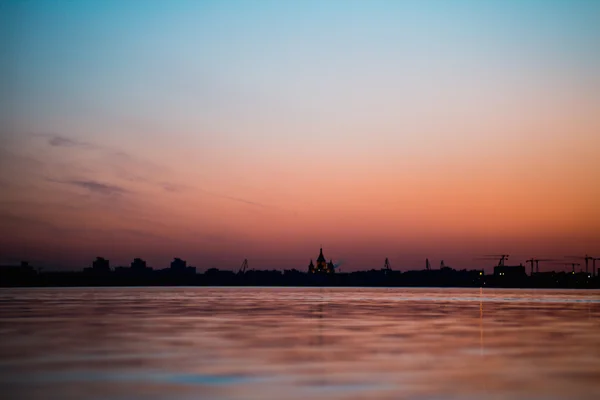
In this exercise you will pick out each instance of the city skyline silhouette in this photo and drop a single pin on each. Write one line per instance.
(319, 273)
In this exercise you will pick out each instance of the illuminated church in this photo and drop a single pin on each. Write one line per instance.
(322, 267)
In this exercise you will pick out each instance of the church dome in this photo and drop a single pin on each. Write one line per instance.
(321, 258)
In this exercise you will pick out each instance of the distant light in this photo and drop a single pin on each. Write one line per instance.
(481, 273)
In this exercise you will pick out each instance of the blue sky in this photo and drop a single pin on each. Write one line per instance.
(269, 101)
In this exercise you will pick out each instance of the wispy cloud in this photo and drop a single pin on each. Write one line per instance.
(260, 205)
(252, 203)
(123, 165)
(129, 168)
(94, 186)
(248, 202)
(56, 140)
(61, 141)
(10, 219)
(171, 187)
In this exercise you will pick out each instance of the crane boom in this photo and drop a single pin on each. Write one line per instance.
(500, 257)
(537, 263)
(530, 261)
(586, 258)
(244, 266)
(386, 265)
(573, 266)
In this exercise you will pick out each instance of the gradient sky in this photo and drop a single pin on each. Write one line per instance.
(221, 130)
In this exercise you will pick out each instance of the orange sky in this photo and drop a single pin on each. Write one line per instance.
(212, 136)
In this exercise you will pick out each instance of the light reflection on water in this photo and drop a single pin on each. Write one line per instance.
(299, 343)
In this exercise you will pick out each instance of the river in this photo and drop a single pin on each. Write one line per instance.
(299, 343)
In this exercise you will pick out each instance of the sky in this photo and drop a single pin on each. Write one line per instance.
(216, 131)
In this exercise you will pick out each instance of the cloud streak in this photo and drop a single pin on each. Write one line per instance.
(121, 164)
(170, 187)
(105, 189)
(98, 187)
(248, 202)
(56, 140)
(124, 172)
(252, 203)
(61, 141)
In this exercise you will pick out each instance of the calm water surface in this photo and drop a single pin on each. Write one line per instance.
(288, 343)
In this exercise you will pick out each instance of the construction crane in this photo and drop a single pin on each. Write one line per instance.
(243, 267)
(572, 266)
(530, 261)
(586, 258)
(537, 263)
(500, 257)
(386, 266)
(594, 265)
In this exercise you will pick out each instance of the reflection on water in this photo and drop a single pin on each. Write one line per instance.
(284, 343)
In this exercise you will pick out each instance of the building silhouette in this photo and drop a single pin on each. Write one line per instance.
(17, 273)
(509, 271)
(101, 264)
(138, 265)
(137, 270)
(179, 266)
(321, 273)
(322, 267)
